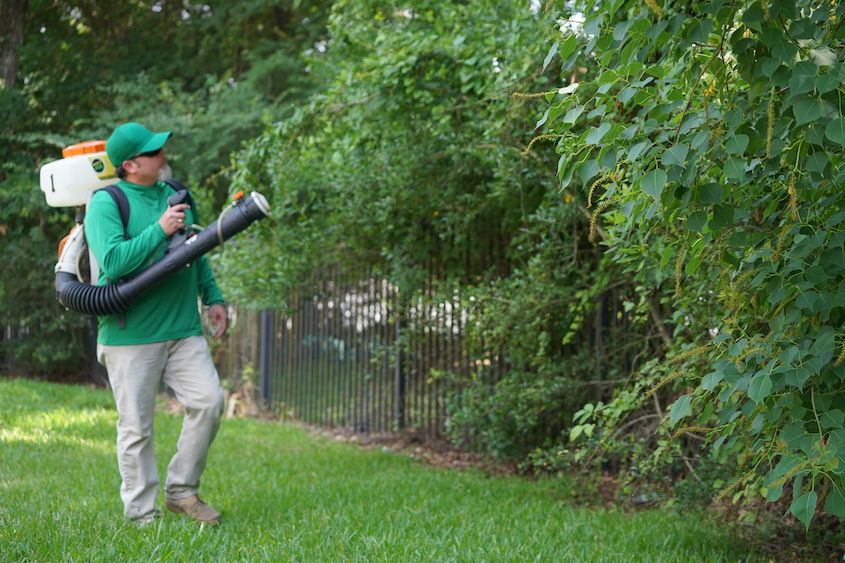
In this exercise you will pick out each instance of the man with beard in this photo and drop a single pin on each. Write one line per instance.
(160, 338)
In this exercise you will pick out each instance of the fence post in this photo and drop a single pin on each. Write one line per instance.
(265, 353)
(399, 373)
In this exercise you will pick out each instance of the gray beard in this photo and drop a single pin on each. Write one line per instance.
(165, 173)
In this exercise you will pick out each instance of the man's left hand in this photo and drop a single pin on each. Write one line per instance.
(219, 320)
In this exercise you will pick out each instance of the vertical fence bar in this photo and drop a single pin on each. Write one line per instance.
(356, 384)
(349, 369)
(373, 336)
(339, 349)
(399, 367)
(323, 353)
(283, 372)
(368, 380)
(309, 360)
(301, 376)
(266, 347)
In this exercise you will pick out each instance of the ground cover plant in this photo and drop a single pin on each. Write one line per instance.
(289, 495)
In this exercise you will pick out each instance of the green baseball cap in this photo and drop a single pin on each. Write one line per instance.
(129, 139)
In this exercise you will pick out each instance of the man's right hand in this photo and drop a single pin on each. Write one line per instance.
(173, 219)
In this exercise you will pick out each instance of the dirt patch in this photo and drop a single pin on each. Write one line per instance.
(437, 453)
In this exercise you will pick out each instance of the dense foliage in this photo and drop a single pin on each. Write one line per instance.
(709, 138)
(413, 164)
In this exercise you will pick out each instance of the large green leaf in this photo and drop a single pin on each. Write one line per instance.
(595, 136)
(806, 110)
(804, 507)
(835, 503)
(696, 221)
(573, 114)
(680, 408)
(835, 131)
(653, 183)
(700, 31)
(735, 169)
(552, 52)
(760, 387)
(737, 144)
(676, 155)
(711, 193)
(723, 216)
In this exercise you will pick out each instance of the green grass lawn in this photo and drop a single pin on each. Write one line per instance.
(287, 495)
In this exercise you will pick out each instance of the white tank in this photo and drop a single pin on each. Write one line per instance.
(85, 167)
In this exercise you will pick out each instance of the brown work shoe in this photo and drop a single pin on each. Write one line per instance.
(193, 508)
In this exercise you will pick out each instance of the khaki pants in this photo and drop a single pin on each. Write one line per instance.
(135, 375)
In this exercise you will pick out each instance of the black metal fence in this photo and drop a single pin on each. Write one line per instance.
(353, 353)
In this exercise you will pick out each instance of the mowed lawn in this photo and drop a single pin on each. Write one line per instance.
(287, 494)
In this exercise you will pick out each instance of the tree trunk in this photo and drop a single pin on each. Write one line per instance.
(12, 20)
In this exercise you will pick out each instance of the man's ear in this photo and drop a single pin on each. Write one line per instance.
(130, 166)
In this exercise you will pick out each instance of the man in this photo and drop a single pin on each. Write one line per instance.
(159, 339)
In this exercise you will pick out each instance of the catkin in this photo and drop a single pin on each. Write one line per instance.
(784, 231)
(654, 7)
(735, 484)
(540, 138)
(599, 210)
(593, 187)
(524, 96)
(679, 267)
(671, 377)
(738, 360)
(788, 476)
(841, 357)
(770, 126)
(689, 353)
(793, 198)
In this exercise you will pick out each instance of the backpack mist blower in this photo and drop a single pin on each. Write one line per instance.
(71, 181)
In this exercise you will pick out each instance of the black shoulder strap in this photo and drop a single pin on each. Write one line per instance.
(122, 206)
(176, 184)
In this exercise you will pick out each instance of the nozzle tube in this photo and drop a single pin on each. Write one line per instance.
(116, 298)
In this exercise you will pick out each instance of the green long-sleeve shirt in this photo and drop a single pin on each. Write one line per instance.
(167, 311)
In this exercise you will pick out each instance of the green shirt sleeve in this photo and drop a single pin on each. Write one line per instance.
(209, 293)
(118, 258)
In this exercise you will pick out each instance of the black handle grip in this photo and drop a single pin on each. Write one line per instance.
(179, 197)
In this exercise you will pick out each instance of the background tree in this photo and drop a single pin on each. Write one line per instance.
(12, 18)
(202, 71)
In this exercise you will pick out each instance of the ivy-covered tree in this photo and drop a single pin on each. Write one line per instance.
(709, 139)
